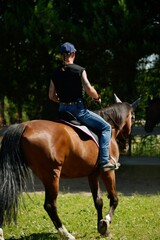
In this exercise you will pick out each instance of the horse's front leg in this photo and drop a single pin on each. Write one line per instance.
(110, 185)
(50, 205)
(93, 180)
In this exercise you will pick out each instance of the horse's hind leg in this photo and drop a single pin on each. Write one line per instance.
(93, 180)
(50, 205)
(110, 184)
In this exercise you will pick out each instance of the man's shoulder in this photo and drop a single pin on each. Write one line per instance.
(76, 67)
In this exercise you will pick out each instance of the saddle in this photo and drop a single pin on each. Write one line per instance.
(68, 119)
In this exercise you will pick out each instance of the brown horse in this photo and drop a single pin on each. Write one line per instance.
(53, 150)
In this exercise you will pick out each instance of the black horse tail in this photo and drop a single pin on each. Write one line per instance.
(14, 173)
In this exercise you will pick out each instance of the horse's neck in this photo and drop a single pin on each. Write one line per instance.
(105, 116)
(115, 133)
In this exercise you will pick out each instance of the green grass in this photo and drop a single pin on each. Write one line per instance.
(137, 217)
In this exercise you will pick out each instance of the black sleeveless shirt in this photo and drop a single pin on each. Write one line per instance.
(67, 82)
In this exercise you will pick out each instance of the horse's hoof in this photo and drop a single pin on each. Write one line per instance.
(103, 228)
(68, 237)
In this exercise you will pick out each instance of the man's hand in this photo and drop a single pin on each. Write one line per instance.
(97, 100)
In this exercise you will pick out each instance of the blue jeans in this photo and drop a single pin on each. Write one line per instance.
(93, 121)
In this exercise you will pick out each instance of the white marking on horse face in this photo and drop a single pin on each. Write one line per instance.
(65, 234)
(1, 234)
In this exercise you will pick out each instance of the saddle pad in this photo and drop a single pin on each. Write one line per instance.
(83, 129)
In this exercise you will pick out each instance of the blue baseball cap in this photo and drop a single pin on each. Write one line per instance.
(67, 48)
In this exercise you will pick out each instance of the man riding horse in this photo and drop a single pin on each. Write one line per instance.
(66, 87)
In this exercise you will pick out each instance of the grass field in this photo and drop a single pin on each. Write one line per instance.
(137, 217)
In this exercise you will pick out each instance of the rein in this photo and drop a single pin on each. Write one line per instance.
(117, 126)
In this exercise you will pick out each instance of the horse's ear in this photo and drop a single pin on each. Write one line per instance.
(116, 99)
(135, 103)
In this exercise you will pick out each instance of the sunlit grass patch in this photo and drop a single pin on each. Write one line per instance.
(136, 217)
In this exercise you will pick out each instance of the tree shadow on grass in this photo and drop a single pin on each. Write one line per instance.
(38, 236)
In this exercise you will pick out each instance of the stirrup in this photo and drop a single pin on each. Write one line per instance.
(116, 165)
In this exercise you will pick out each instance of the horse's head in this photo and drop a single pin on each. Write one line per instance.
(152, 114)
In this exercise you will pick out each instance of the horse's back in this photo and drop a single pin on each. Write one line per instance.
(50, 145)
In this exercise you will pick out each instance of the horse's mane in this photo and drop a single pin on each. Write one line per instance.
(115, 114)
